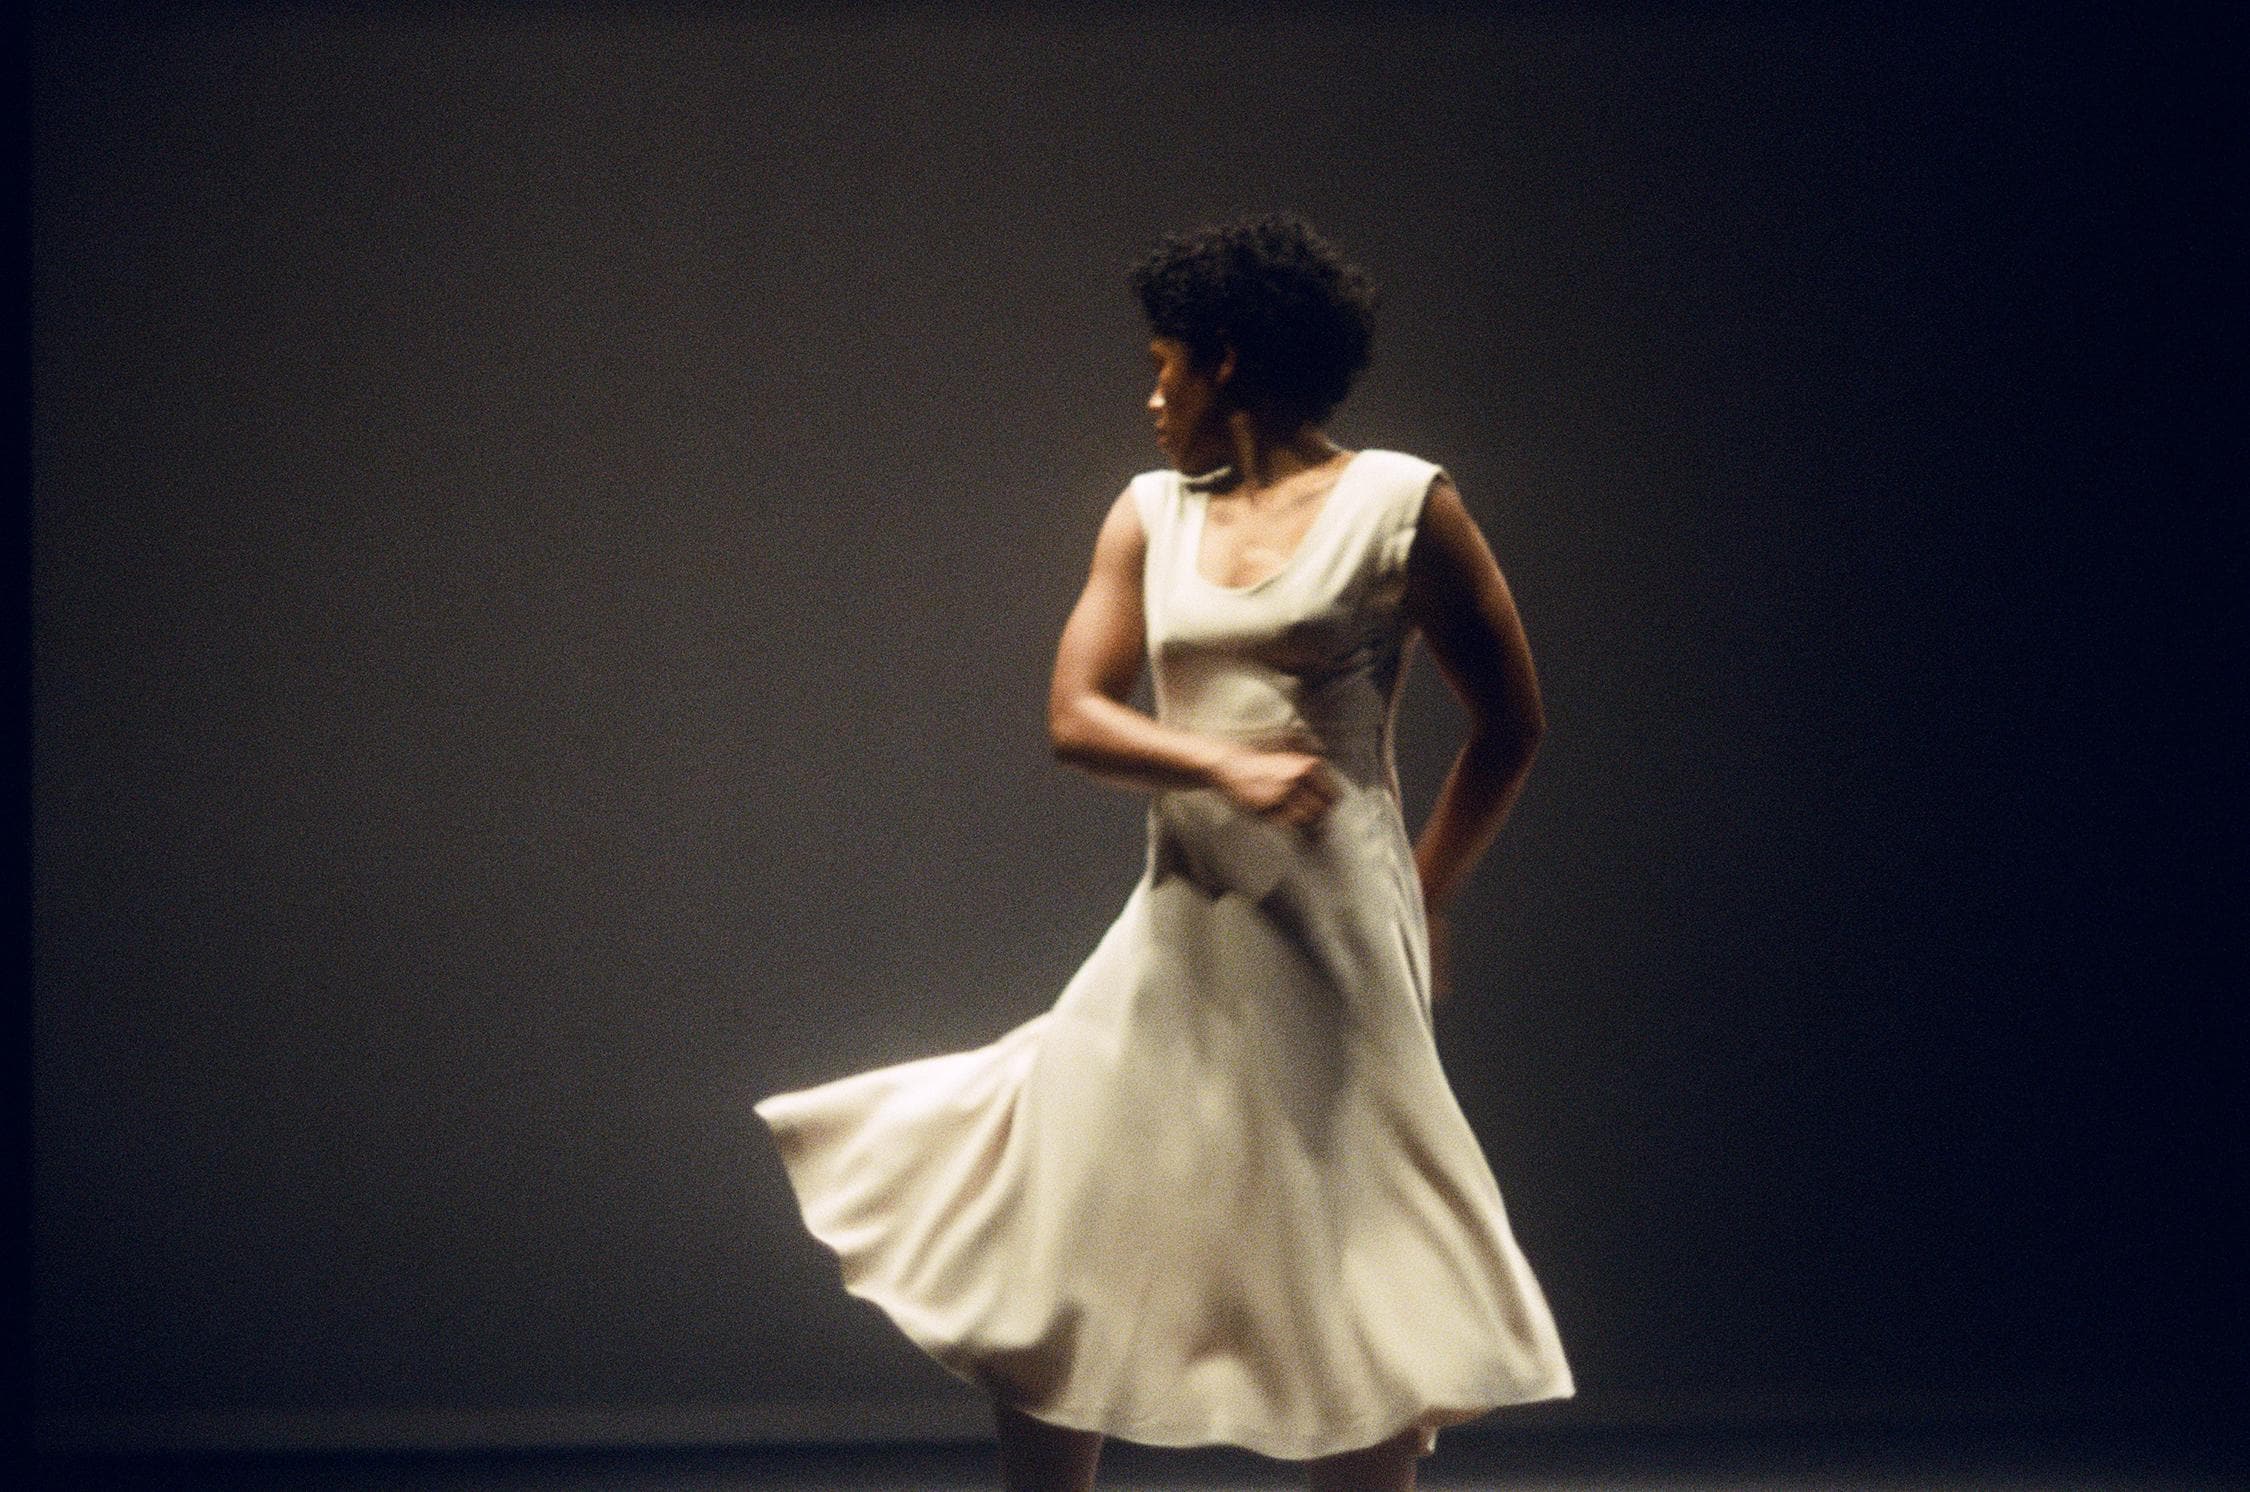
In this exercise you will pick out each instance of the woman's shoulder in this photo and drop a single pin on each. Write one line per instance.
(1397, 486)
(1402, 468)
(1155, 493)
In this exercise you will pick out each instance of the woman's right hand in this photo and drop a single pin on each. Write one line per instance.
(1281, 787)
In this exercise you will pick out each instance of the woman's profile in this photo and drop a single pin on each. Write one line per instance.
(1221, 1192)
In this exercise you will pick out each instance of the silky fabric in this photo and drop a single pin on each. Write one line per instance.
(1221, 1191)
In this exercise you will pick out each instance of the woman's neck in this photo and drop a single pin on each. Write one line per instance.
(1262, 458)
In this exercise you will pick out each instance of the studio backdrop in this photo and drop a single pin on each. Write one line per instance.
(551, 524)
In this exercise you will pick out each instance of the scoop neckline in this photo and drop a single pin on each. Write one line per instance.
(1304, 541)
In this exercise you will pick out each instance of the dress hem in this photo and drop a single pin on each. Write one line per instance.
(1169, 1435)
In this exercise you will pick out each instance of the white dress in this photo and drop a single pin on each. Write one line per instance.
(1221, 1191)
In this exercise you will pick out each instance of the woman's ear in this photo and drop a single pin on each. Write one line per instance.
(1224, 372)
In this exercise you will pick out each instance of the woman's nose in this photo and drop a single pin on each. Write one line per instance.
(1156, 401)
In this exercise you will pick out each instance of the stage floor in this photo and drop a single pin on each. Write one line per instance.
(1984, 1460)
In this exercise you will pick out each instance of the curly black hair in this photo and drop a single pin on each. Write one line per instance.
(1299, 316)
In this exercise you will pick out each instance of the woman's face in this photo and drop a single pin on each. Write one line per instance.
(1190, 425)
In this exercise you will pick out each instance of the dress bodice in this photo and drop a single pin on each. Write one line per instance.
(1311, 655)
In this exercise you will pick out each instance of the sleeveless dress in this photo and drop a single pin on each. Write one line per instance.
(1220, 1192)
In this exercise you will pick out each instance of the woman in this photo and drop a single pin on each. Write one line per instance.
(1221, 1192)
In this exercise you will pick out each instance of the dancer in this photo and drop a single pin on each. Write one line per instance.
(1220, 1192)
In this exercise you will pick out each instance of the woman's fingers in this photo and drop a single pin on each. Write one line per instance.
(1309, 797)
(1283, 787)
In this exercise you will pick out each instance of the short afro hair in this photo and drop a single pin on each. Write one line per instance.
(1299, 316)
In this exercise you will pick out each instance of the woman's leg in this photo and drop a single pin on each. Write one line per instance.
(1039, 1457)
(1388, 1467)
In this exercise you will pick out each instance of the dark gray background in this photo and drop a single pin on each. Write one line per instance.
(551, 523)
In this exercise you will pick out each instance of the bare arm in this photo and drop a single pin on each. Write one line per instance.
(1456, 594)
(1094, 729)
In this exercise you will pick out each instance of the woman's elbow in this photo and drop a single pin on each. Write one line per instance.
(1510, 741)
(1066, 730)
(1530, 732)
